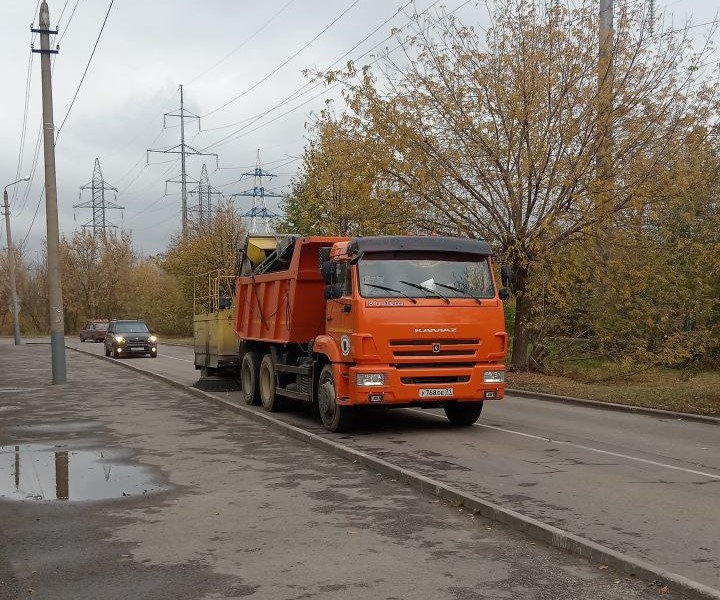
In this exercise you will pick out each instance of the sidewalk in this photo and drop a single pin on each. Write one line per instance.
(222, 507)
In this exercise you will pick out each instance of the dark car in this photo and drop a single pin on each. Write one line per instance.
(130, 338)
(94, 331)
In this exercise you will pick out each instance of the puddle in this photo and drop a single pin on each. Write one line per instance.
(38, 472)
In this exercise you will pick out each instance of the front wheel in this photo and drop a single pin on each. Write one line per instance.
(249, 378)
(335, 417)
(267, 384)
(463, 414)
(115, 353)
(107, 352)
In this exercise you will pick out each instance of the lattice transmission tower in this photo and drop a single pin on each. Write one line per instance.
(258, 194)
(184, 150)
(97, 203)
(204, 192)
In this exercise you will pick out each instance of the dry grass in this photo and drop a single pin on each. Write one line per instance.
(697, 393)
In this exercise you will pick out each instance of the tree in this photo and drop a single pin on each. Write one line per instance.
(500, 139)
(339, 191)
(209, 246)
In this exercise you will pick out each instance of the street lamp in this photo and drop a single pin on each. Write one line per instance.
(15, 305)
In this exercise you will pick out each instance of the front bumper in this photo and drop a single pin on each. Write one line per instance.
(136, 348)
(423, 386)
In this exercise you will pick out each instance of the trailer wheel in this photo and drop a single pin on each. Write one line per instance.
(335, 417)
(249, 378)
(268, 383)
(463, 414)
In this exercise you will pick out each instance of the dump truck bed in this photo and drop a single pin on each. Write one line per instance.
(284, 306)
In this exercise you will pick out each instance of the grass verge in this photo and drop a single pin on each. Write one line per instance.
(697, 393)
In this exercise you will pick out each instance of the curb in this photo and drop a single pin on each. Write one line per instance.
(534, 528)
(641, 410)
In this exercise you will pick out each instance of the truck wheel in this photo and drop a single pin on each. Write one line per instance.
(463, 414)
(249, 378)
(267, 385)
(335, 417)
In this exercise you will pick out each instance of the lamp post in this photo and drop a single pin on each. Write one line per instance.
(15, 305)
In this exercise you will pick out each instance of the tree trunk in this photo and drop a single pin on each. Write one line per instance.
(521, 333)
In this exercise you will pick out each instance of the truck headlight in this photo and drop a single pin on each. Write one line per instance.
(152, 339)
(120, 339)
(366, 379)
(494, 376)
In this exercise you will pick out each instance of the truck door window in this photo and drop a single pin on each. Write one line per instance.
(344, 278)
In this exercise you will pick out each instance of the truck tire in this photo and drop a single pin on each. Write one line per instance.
(335, 417)
(267, 383)
(249, 378)
(463, 414)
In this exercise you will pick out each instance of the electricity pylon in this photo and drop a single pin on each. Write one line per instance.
(97, 203)
(259, 208)
(204, 191)
(184, 150)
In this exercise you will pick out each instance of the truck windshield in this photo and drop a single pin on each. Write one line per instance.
(422, 275)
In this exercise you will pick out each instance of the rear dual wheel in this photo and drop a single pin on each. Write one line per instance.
(267, 382)
(249, 378)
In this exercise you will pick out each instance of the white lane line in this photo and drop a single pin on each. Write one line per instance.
(588, 448)
(174, 358)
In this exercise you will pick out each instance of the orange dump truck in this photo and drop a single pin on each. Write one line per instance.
(392, 321)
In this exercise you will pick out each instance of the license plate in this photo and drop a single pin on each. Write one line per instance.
(436, 392)
(137, 349)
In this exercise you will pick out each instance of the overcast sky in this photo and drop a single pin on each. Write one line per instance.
(219, 50)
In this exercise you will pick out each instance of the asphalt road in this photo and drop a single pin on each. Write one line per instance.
(117, 485)
(643, 485)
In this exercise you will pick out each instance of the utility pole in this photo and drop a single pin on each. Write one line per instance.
(98, 204)
(258, 194)
(57, 320)
(204, 192)
(15, 304)
(183, 150)
(605, 91)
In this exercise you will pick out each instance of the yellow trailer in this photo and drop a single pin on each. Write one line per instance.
(215, 340)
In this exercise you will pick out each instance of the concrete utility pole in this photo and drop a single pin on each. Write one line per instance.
(605, 91)
(15, 304)
(183, 150)
(57, 320)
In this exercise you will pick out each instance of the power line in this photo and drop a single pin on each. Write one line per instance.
(65, 29)
(301, 91)
(245, 41)
(77, 91)
(256, 84)
(21, 151)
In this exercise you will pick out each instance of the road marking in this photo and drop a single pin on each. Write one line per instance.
(174, 358)
(582, 447)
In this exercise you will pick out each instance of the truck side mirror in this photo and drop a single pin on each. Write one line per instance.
(327, 268)
(506, 275)
(504, 294)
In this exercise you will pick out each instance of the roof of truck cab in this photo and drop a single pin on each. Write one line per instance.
(418, 243)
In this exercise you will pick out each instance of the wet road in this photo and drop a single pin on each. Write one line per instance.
(647, 486)
(118, 485)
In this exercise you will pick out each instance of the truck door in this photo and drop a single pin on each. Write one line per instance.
(338, 311)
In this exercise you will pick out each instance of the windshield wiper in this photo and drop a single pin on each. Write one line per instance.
(457, 289)
(424, 289)
(389, 289)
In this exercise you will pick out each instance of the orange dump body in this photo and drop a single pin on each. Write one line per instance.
(285, 306)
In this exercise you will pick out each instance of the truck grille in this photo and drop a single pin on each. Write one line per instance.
(435, 348)
(436, 379)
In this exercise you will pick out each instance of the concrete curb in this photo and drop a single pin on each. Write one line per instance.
(641, 410)
(536, 529)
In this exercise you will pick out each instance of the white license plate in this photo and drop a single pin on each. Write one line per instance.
(436, 392)
(137, 349)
